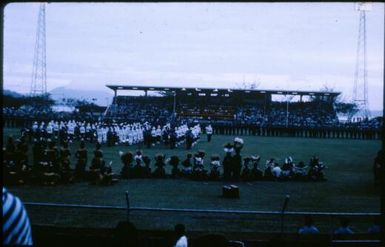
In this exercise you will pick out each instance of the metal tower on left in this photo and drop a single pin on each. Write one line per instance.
(360, 90)
(39, 70)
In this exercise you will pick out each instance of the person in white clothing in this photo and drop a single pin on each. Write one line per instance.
(209, 132)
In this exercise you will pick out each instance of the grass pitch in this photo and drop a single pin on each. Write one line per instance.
(349, 188)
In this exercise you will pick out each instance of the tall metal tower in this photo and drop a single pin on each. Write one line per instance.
(39, 71)
(360, 90)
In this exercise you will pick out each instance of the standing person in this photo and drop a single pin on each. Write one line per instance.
(81, 156)
(146, 168)
(181, 239)
(189, 139)
(174, 162)
(147, 138)
(16, 225)
(97, 163)
(227, 161)
(172, 139)
(159, 171)
(378, 167)
(65, 169)
(153, 136)
(37, 152)
(209, 132)
(237, 159)
(126, 159)
(51, 156)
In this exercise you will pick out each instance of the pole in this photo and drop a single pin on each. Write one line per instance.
(128, 207)
(287, 111)
(283, 211)
(174, 107)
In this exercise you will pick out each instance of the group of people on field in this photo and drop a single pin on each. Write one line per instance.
(171, 135)
(51, 164)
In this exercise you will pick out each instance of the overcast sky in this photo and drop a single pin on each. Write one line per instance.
(301, 46)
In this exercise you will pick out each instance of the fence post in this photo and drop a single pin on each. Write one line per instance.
(128, 206)
(283, 211)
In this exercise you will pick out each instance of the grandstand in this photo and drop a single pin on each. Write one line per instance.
(220, 104)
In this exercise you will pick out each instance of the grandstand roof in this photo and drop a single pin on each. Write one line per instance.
(222, 90)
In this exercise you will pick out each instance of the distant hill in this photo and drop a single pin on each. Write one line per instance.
(12, 93)
(102, 98)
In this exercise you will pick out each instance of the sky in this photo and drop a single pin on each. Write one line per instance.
(285, 46)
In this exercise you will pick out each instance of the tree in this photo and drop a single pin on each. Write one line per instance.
(346, 108)
(36, 101)
(249, 85)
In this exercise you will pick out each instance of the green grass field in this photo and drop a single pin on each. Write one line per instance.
(349, 188)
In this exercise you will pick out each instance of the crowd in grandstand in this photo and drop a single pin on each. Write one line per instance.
(141, 109)
(159, 111)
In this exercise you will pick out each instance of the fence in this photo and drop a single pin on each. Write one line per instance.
(337, 132)
(234, 223)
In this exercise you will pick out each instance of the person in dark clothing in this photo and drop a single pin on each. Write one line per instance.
(199, 172)
(159, 164)
(82, 157)
(126, 234)
(107, 175)
(256, 173)
(174, 162)
(126, 159)
(51, 156)
(65, 168)
(21, 161)
(268, 173)
(288, 169)
(315, 172)
(97, 164)
(379, 167)
(98, 149)
(137, 169)
(227, 161)
(237, 159)
(51, 167)
(189, 139)
(10, 149)
(215, 164)
(146, 168)
(110, 137)
(246, 171)
(187, 165)
(37, 152)
(172, 139)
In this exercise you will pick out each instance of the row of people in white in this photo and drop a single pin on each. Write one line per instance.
(127, 133)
